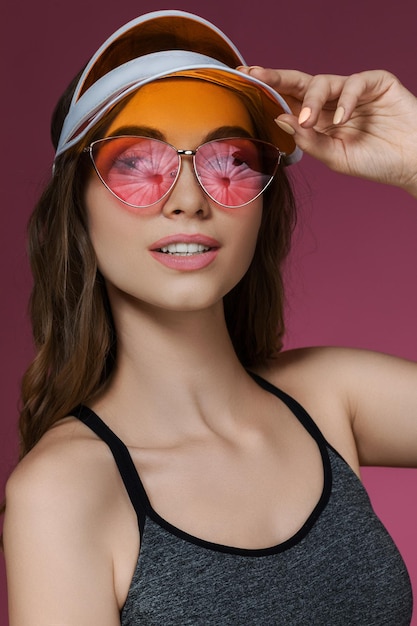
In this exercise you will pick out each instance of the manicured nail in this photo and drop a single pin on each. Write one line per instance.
(255, 67)
(338, 115)
(304, 115)
(285, 127)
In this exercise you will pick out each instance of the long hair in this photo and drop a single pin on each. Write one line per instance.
(72, 323)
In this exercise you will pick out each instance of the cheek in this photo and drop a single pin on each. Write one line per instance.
(246, 228)
(100, 221)
(249, 225)
(110, 227)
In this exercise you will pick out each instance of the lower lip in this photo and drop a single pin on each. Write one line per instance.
(186, 263)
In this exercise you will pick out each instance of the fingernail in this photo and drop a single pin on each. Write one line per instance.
(338, 115)
(285, 127)
(304, 115)
(255, 67)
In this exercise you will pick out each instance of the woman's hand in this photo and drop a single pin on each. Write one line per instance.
(363, 125)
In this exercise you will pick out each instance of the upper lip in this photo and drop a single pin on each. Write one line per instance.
(204, 240)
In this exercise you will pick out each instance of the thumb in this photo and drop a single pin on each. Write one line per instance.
(316, 144)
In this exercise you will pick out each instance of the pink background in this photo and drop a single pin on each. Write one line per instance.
(352, 277)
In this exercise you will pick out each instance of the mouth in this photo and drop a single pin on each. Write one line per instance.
(185, 252)
(185, 245)
(184, 249)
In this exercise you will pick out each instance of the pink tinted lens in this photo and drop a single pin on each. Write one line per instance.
(235, 171)
(138, 170)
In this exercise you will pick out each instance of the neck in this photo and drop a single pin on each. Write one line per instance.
(173, 363)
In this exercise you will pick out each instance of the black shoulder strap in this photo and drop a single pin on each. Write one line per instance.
(123, 460)
(311, 427)
(295, 407)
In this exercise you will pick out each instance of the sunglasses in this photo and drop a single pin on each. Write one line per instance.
(141, 171)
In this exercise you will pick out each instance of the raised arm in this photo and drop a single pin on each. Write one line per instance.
(363, 125)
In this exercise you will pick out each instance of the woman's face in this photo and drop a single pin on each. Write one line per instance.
(131, 244)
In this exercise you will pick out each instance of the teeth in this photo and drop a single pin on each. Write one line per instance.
(184, 249)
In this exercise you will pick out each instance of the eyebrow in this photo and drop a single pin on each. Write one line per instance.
(227, 131)
(147, 131)
(143, 131)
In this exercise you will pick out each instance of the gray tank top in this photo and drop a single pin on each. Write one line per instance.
(340, 569)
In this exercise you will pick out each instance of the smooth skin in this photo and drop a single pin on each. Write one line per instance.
(206, 439)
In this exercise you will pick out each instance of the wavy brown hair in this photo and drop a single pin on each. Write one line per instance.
(72, 323)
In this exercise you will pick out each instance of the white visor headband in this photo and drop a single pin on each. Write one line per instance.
(91, 105)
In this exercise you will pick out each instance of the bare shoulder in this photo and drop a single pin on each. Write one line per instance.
(68, 483)
(59, 506)
(316, 378)
(333, 369)
(315, 365)
(363, 401)
(68, 463)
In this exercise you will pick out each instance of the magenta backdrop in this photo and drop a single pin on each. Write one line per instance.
(352, 276)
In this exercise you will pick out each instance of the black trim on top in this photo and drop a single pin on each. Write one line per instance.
(127, 469)
(308, 423)
(143, 507)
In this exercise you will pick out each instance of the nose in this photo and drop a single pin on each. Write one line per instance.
(187, 197)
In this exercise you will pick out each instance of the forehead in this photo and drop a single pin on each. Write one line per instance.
(183, 105)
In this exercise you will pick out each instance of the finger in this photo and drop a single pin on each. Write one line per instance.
(359, 88)
(322, 92)
(311, 93)
(319, 145)
(291, 84)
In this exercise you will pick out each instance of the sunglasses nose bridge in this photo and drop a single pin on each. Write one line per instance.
(187, 153)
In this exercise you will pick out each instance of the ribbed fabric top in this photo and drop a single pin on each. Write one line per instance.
(340, 569)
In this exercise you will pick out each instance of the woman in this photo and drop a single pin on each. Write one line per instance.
(157, 311)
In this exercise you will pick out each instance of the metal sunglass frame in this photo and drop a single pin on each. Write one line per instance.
(181, 152)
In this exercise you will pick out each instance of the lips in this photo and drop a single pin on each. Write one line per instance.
(185, 249)
(185, 252)
(181, 238)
